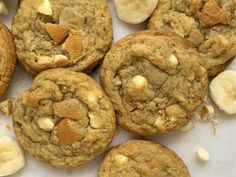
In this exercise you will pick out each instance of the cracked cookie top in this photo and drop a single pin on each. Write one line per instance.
(73, 34)
(142, 158)
(7, 58)
(64, 119)
(155, 80)
(210, 25)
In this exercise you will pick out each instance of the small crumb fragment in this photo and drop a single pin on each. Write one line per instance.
(207, 111)
(121, 159)
(6, 107)
(188, 127)
(8, 127)
(3, 8)
(203, 155)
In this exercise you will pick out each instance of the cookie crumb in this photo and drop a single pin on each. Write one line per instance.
(6, 107)
(188, 127)
(207, 112)
(8, 127)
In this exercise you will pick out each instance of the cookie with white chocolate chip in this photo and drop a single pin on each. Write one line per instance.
(64, 119)
(73, 34)
(142, 158)
(209, 25)
(155, 80)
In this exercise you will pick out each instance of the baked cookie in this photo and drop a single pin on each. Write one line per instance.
(155, 80)
(7, 58)
(142, 158)
(210, 25)
(73, 34)
(64, 119)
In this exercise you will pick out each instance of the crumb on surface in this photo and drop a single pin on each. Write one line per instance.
(8, 127)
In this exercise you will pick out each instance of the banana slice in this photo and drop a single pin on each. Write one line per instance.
(223, 91)
(135, 11)
(11, 156)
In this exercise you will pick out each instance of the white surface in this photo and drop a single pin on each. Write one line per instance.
(221, 146)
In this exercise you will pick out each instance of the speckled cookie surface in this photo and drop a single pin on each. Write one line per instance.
(7, 58)
(210, 25)
(142, 158)
(64, 119)
(73, 34)
(155, 80)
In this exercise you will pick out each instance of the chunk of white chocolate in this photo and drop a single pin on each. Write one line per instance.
(203, 155)
(57, 60)
(173, 60)
(121, 160)
(45, 7)
(139, 82)
(46, 124)
(95, 121)
(159, 123)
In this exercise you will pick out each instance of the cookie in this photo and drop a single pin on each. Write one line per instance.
(73, 34)
(142, 158)
(7, 58)
(209, 25)
(64, 119)
(155, 80)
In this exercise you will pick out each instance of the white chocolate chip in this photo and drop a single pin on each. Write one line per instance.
(60, 57)
(92, 98)
(160, 123)
(45, 7)
(58, 60)
(188, 127)
(173, 60)
(3, 8)
(95, 121)
(121, 159)
(203, 155)
(46, 124)
(139, 82)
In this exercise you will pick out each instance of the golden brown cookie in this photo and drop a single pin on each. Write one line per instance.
(142, 158)
(73, 34)
(7, 58)
(209, 25)
(64, 119)
(155, 80)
